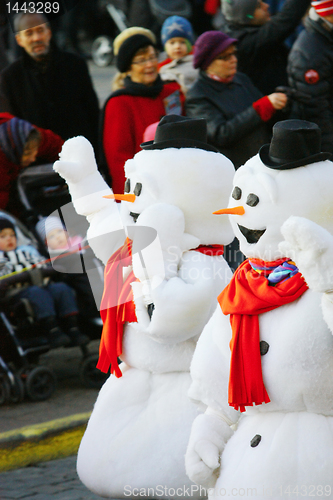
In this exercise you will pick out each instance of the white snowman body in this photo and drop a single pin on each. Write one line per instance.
(283, 448)
(136, 438)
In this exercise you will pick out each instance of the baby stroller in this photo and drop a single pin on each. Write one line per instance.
(21, 342)
(42, 192)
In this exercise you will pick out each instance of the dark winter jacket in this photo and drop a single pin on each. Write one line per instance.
(233, 125)
(60, 97)
(310, 70)
(262, 55)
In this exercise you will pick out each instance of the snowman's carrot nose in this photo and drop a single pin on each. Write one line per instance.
(231, 211)
(122, 197)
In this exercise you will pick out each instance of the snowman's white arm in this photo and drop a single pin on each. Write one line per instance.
(209, 435)
(87, 187)
(183, 305)
(311, 247)
(210, 374)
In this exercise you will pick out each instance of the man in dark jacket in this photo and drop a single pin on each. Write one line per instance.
(49, 87)
(310, 70)
(262, 55)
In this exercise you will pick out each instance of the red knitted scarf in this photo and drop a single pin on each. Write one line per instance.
(248, 295)
(117, 306)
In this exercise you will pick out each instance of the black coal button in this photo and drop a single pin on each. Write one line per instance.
(255, 441)
(264, 346)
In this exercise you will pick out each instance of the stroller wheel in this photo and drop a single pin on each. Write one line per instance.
(17, 392)
(40, 383)
(4, 390)
(102, 51)
(90, 376)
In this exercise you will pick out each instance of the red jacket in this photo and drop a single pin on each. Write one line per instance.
(48, 152)
(126, 117)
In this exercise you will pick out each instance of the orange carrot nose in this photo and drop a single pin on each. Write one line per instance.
(231, 211)
(122, 197)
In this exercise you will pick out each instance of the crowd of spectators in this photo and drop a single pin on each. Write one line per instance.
(228, 76)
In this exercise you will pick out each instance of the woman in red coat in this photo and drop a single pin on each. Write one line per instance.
(143, 100)
(20, 145)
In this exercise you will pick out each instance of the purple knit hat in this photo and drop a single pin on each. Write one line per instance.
(208, 46)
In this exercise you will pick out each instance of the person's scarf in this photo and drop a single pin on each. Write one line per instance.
(13, 137)
(140, 89)
(256, 287)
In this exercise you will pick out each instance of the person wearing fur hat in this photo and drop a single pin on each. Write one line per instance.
(177, 37)
(310, 70)
(237, 113)
(21, 144)
(261, 49)
(143, 99)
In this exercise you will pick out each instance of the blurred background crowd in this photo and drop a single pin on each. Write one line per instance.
(242, 65)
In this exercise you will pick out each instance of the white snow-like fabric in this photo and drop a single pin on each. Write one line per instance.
(283, 448)
(140, 425)
(139, 444)
(194, 180)
(299, 192)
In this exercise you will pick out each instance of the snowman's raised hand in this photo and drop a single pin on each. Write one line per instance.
(311, 248)
(209, 435)
(77, 160)
(77, 165)
(163, 256)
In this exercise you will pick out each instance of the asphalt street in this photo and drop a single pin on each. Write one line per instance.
(55, 480)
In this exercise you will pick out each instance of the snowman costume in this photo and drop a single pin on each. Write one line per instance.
(137, 435)
(268, 428)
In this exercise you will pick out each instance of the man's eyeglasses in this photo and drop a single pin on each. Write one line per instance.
(228, 56)
(142, 62)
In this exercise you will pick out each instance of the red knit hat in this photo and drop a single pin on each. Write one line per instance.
(208, 46)
(323, 7)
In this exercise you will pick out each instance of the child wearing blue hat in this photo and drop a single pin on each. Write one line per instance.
(177, 37)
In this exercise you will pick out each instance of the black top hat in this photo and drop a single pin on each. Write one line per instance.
(294, 143)
(176, 131)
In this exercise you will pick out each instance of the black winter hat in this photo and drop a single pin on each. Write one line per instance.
(174, 131)
(6, 223)
(128, 49)
(294, 143)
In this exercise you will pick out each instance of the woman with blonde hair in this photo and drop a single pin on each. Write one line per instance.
(140, 99)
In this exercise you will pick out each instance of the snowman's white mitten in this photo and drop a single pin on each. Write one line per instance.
(77, 165)
(79, 151)
(209, 435)
(161, 257)
(311, 248)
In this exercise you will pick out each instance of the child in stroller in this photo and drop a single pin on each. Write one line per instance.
(63, 250)
(50, 300)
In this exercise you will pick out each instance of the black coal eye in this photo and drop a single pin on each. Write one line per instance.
(252, 200)
(138, 188)
(127, 186)
(237, 193)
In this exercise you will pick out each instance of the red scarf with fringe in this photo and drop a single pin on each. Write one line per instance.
(248, 295)
(117, 306)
